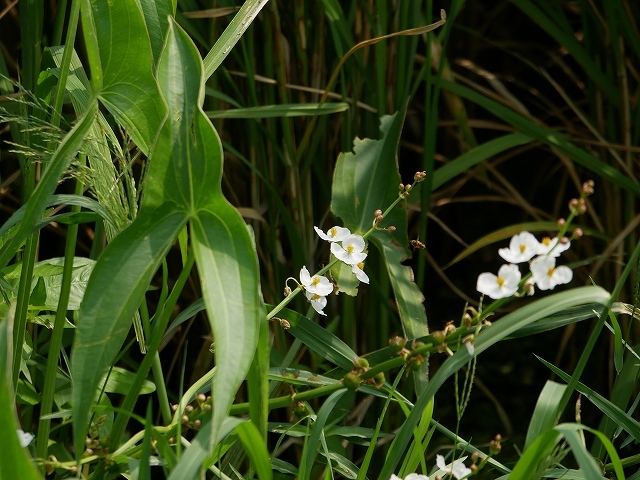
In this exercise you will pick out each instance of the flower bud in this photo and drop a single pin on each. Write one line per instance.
(377, 213)
(438, 337)
(206, 407)
(577, 233)
(420, 176)
(494, 447)
(391, 229)
(188, 409)
(475, 456)
(378, 380)
(415, 364)
(197, 424)
(397, 343)
(360, 362)
(401, 187)
(573, 205)
(405, 194)
(587, 187)
(582, 207)
(185, 419)
(201, 398)
(562, 222)
(467, 321)
(379, 218)
(351, 381)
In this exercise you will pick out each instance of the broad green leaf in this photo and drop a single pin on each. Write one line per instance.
(128, 90)
(545, 414)
(14, 460)
(41, 196)
(82, 268)
(477, 155)
(109, 306)
(498, 331)
(231, 35)
(532, 462)
(186, 171)
(284, 110)
(156, 17)
(365, 181)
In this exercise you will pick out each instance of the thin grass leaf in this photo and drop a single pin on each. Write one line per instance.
(14, 460)
(545, 412)
(281, 111)
(241, 21)
(41, 196)
(255, 448)
(619, 416)
(618, 344)
(321, 341)
(487, 338)
(311, 446)
(547, 136)
(477, 155)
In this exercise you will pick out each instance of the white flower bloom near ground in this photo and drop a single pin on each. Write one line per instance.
(316, 284)
(550, 246)
(318, 302)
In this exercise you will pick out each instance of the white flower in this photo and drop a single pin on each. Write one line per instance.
(522, 248)
(334, 234)
(315, 285)
(457, 468)
(351, 250)
(504, 285)
(359, 273)
(550, 246)
(25, 438)
(318, 302)
(413, 476)
(546, 275)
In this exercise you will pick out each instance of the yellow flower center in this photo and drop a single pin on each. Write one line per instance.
(350, 249)
(551, 271)
(523, 247)
(500, 281)
(333, 232)
(316, 297)
(315, 280)
(361, 265)
(546, 241)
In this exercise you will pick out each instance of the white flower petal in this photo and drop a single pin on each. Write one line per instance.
(440, 462)
(415, 476)
(334, 234)
(546, 275)
(305, 276)
(25, 438)
(503, 285)
(350, 250)
(522, 248)
(318, 302)
(470, 348)
(550, 246)
(360, 275)
(457, 469)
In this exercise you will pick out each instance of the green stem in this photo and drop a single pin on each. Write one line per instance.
(159, 327)
(61, 88)
(46, 405)
(288, 400)
(161, 389)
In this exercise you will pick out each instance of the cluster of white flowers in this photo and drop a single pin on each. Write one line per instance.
(457, 469)
(346, 247)
(544, 273)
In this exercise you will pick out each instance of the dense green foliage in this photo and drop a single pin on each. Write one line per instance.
(177, 304)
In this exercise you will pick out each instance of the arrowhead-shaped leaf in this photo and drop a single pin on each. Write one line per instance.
(365, 181)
